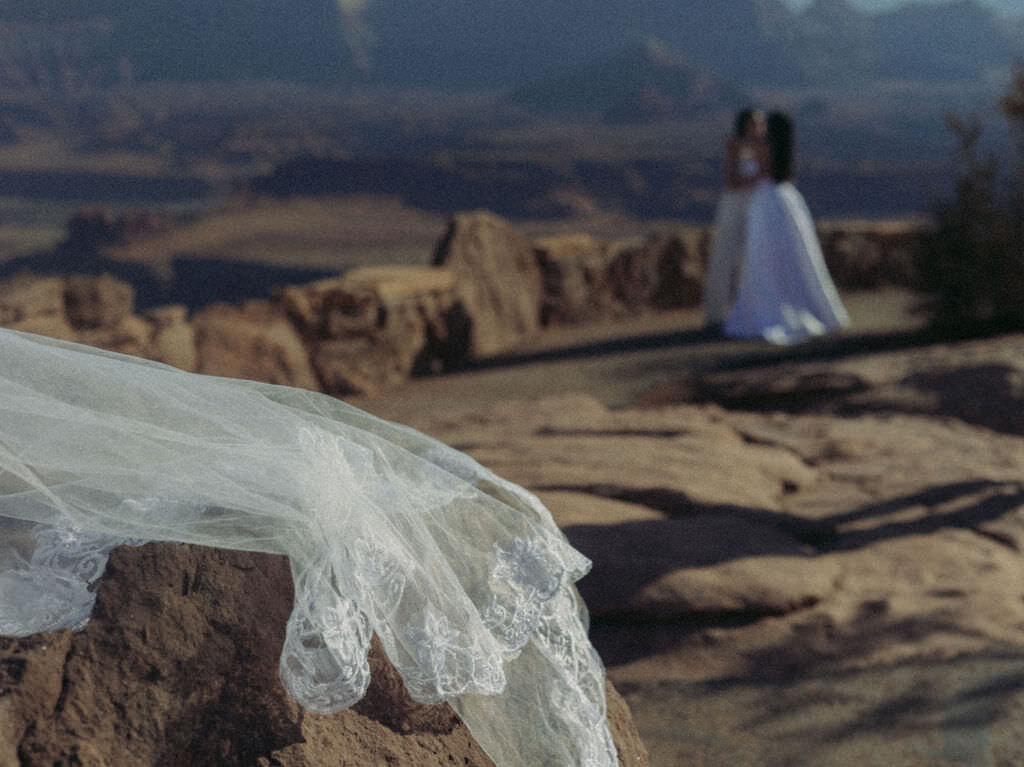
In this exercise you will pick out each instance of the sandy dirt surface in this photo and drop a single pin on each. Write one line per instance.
(899, 671)
(618, 362)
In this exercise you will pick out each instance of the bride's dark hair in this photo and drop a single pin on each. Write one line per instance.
(743, 119)
(780, 138)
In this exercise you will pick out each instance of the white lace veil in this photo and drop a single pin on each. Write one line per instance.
(464, 577)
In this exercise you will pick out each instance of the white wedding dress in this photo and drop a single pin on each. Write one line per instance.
(726, 258)
(785, 293)
(730, 234)
(463, 576)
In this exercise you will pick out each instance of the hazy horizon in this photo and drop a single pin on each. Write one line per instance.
(1004, 7)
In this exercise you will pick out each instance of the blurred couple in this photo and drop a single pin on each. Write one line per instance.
(767, 276)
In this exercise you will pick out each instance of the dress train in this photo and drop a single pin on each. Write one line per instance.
(785, 294)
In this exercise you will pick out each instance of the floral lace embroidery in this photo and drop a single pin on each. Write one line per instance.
(528, 567)
(524, 577)
(380, 575)
(57, 589)
(324, 660)
(581, 699)
(449, 662)
(73, 554)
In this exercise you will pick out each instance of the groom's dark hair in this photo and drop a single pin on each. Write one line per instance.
(780, 138)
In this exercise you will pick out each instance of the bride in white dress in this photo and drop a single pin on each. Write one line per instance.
(745, 160)
(463, 576)
(785, 294)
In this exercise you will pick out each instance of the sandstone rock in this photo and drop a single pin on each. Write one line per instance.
(872, 254)
(52, 326)
(570, 508)
(728, 543)
(31, 675)
(27, 296)
(32, 303)
(173, 338)
(497, 280)
(254, 341)
(97, 311)
(731, 562)
(178, 665)
(784, 388)
(664, 273)
(96, 302)
(377, 326)
(751, 587)
(573, 268)
(690, 461)
(357, 365)
(128, 335)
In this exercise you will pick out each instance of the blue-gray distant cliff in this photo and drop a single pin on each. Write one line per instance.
(495, 44)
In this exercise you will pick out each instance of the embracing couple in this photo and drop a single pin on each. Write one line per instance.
(767, 277)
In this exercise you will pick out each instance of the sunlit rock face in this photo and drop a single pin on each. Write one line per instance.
(497, 279)
(179, 665)
(490, 290)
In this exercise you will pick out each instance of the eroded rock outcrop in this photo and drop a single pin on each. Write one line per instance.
(178, 665)
(254, 341)
(378, 326)
(35, 305)
(574, 269)
(871, 254)
(497, 278)
(666, 272)
(97, 311)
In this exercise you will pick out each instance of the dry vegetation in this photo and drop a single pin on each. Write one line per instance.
(974, 264)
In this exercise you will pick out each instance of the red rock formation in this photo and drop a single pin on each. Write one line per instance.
(497, 279)
(254, 341)
(179, 666)
(664, 273)
(378, 326)
(575, 277)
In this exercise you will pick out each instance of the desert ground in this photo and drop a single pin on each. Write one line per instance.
(805, 555)
(827, 572)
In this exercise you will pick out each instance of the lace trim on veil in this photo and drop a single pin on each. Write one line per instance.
(463, 576)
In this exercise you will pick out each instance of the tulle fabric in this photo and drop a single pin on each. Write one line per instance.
(786, 294)
(463, 576)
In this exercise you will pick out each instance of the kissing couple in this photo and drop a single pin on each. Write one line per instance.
(767, 277)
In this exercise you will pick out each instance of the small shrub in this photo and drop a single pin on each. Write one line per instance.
(972, 266)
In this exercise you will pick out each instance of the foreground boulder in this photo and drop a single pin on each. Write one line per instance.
(178, 665)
